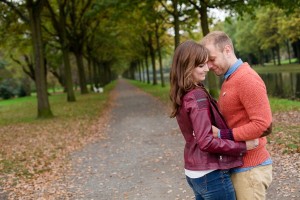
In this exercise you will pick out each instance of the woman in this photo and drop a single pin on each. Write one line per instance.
(207, 159)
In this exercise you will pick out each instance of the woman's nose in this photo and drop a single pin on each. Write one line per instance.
(209, 64)
(206, 67)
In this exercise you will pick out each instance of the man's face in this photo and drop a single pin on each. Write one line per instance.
(217, 61)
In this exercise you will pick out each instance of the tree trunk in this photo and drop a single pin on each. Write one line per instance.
(261, 57)
(152, 54)
(297, 93)
(68, 77)
(298, 50)
(132, 70)
(250, 60)
(90, 80)
(143, 71)
(140, 73)
(278, 54)
(65, 51)
(203, 18)
(95, 74)
(212, 79)
(159, 57)
(81, 73)
(176, 24)
(147, 67)
(273, 54)
(101, 74)
(34, 11)
(288, 50)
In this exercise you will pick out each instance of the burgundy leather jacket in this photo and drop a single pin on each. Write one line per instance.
(197, 113)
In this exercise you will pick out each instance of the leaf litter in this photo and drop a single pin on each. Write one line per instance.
(34, 160)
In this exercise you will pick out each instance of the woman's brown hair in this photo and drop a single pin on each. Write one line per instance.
(187, 56)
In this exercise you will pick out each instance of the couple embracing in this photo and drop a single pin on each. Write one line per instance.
(225, 153)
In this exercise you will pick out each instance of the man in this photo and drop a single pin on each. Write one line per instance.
(245, 106)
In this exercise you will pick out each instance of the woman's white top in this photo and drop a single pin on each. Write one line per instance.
(196, 174)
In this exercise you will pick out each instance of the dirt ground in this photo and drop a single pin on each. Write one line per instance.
(142, 157)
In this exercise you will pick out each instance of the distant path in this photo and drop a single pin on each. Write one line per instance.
(142, 157)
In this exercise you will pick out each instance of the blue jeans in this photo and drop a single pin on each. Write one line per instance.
(213, 186)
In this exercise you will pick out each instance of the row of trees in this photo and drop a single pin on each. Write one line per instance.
(40, 35)
(258, 29)
(267, 33)
(103, 38)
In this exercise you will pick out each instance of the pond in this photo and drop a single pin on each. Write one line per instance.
(283, 85)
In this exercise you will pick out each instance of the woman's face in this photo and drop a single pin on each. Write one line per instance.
(199, 73)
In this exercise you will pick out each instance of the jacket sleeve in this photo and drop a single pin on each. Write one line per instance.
(199, 113)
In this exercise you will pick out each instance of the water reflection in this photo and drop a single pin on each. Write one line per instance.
(283, 85)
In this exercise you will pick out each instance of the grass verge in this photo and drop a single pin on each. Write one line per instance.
(31, 148)
(295, 67)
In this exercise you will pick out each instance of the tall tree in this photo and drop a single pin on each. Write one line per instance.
(33, 19)
(289, 27)
(59, 23)
(267, 29)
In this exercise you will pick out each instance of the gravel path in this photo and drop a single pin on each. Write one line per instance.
(142, 157)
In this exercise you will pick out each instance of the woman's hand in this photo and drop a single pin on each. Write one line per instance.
(252, 144)
(215, 131)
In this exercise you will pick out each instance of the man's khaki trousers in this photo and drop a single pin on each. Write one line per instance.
(252, 184)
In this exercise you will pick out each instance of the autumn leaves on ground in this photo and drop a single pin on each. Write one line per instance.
(34, 153)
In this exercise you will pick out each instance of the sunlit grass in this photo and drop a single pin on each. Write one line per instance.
(24, 109)
(295, 67)
(281, 105)
(156, 90)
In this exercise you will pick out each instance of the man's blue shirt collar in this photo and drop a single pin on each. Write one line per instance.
(233, 68)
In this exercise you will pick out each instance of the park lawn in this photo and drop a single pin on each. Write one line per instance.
(32, 147)
(295, 67)
(285, 133)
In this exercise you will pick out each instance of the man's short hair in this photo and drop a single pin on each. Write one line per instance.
(218, 39)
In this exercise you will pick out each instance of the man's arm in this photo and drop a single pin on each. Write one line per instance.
(253, 95)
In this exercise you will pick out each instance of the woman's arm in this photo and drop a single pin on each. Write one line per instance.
(199, 113)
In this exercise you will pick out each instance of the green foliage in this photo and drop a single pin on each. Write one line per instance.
(267, 27)
(22, 92)
(8, 88)
(290, 25)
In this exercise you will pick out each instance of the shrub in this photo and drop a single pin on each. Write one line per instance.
(8, 88)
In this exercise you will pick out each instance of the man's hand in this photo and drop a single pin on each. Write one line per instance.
(252, 144)
(215, 131)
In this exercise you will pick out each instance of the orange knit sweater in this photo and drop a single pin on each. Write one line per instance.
(245, 106)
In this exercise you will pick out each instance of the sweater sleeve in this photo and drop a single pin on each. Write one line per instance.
(253, 95)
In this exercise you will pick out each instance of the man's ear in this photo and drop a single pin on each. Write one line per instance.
(227, 49)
